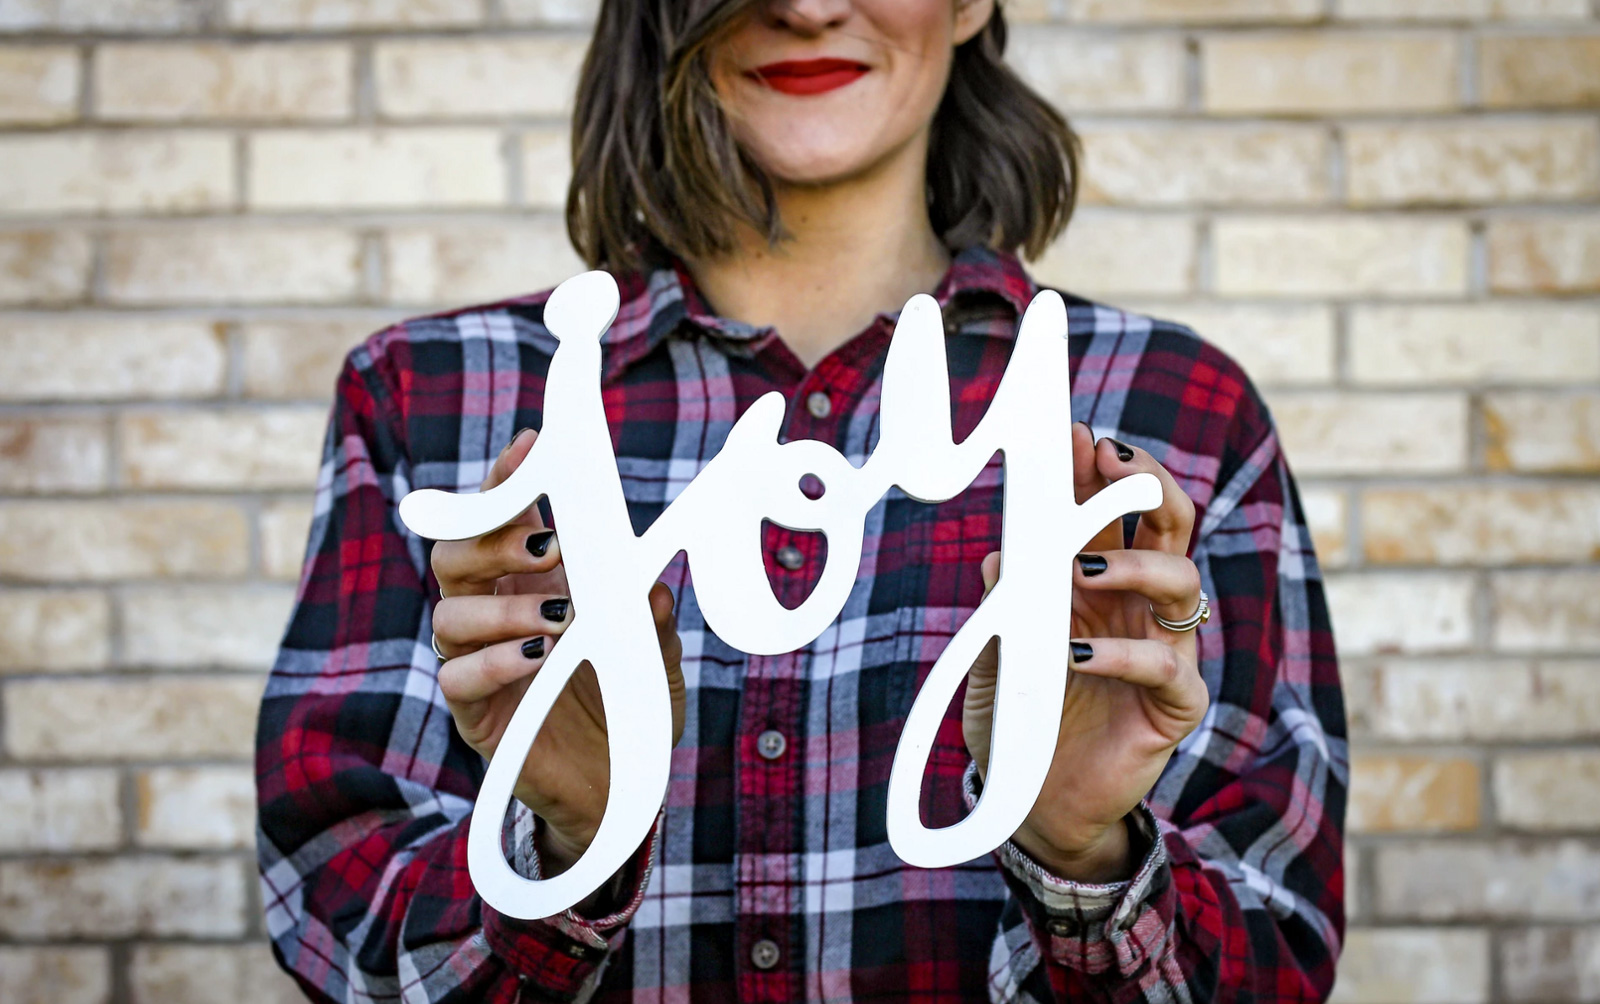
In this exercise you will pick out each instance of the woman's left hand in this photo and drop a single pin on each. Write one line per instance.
(1135, 689)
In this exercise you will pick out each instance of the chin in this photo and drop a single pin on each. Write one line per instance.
(817, 160)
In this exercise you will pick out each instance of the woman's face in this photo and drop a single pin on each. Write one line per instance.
(819, 91)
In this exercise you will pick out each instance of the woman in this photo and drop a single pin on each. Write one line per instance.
(770, 181)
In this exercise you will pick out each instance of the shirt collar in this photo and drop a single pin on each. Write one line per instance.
(656, 304)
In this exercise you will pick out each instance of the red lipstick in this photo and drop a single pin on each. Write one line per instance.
(809, 76)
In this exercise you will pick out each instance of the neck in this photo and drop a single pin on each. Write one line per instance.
(856, 249)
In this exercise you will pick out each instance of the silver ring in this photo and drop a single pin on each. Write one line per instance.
(441, 655)
(1201, 614)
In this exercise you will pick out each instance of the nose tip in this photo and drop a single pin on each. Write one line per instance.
(809, 16)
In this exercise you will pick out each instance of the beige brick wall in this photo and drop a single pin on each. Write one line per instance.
(1388, 210)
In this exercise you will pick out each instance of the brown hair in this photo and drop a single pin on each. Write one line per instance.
(656, 169)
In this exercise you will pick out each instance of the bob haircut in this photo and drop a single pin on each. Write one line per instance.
(657, 172)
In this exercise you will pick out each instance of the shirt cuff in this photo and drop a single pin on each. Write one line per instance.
(1091, 927)
(561, 954)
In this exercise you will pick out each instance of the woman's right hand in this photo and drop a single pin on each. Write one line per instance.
(506, 605)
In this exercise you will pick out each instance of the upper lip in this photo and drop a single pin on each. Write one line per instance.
(807, 67)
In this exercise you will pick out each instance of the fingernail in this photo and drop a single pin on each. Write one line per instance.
(539, 543)
(533, 648)
(1082, 651)
(555, 611)
(1124, 451)
(515, 436)
(1092, 564)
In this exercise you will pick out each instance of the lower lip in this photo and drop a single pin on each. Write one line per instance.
(810, 83)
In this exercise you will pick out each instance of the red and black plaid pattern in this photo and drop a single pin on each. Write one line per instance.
(769, 876)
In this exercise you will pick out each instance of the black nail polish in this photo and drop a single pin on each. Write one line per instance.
(1092, 564)
(1124, 451)
(539, 543)
(555, 611)
(533, 648)
(1082, 651)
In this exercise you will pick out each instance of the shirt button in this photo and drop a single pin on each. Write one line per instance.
(764, 954)
(819, 404)
(771, 744)
(790, 557)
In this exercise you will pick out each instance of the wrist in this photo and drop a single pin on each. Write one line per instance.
(1101, 859)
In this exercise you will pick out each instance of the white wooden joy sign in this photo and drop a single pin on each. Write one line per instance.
(717, 521)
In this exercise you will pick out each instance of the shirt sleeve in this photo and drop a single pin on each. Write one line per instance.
(1239, 896)
(365, 790)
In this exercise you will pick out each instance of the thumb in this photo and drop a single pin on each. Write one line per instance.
(991, 571)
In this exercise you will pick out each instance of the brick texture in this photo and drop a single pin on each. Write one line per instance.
(1387, 210)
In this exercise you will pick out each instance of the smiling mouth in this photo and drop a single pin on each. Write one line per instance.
(808, 76)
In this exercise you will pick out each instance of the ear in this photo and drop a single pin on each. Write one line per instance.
(971, 17)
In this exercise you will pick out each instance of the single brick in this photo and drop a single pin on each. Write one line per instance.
(1556, 790)
(59, 810)
(1321, 435)
(178, 717)
(257, 448)
(1520, 71)
(1485, 162)
(98, 358)
(61, 173)
(1481, 524)
(359, 15)
(1415, 965)
(1196, 11)
(54, 629)
(44, 267)
(55, 974)
(1117, 254)
(230, 266)
(1340, 256)
(583, 12)
(546, 168)
(1551, 964)
(196, 808)
(1547, 611)
(300, 359)
(38, 84)
(1541, 431)
(1479, 880)
(1279, 345)
(461, 78)
(1487, 343)
(284, 528)
(204, 974)
(1464, 10)
(1322, 72)
(104, 541)
(1545, 254)
(1412, 613)
(1396, 793)
(363, 169)
(211, 81)
(100, 15)
(478, 263)
(1225, 165)
(1085, 73)
(50, 454)
(1473, 700)
(122, 897)
(230, 627)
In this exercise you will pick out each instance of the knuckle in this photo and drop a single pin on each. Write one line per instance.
(1170, 667)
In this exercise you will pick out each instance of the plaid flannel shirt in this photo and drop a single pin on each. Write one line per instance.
(769, 876)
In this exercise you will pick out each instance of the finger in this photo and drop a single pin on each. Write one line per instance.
(990, 570)
(1087, 481)
(1172, 679)
(472, 567)
(510, 458)
(1171, 582)
(1165, 528)
(481, 674)
(463, 624)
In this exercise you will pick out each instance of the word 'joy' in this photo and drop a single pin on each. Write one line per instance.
(717, 521)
